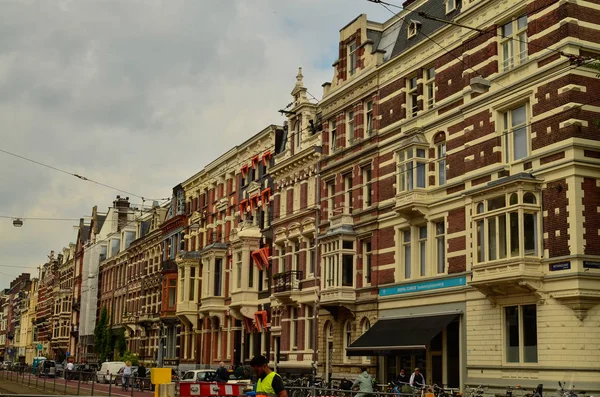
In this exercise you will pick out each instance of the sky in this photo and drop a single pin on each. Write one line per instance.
(140, 95)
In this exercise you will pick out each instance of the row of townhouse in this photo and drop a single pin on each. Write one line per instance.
(438, 208)
(14, 318)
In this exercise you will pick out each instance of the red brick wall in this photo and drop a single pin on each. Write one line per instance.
(290, 201)
(553, 197)
(591, 224)
(456, 220)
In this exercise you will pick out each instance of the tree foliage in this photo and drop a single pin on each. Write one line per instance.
(101, 336)
(128, 356)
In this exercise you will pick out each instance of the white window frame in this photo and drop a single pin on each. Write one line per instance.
(293, 328)
(347, 338)
(440, 161)
(421, 236)
(350, 130)
(308, 326)
(348, 193)
(412, 96)
(511, 132)
(333, 135)
(429, 86)
(330, 196)
(367, 257)
(440, 246)
(499, 246)
(238, 268)
(352, 58)
(367, 194)
(412, 161)
(406, 253)
(451, 5)
(413, 27)
(368, 118)
(513, 35)
(521, 335)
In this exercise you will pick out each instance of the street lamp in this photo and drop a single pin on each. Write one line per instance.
(18, 222)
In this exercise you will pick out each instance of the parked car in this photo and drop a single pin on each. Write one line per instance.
(108, 370)
(60, 370)
(199, 375)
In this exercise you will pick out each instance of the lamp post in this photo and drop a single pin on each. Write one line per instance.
(17, 222)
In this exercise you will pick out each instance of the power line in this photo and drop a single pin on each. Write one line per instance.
(39, 219)
(83, 178)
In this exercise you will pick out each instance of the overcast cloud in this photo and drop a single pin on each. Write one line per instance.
(141, 95)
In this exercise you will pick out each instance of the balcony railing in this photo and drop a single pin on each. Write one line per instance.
(287, 281)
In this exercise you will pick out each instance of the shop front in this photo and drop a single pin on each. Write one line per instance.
(425, 330)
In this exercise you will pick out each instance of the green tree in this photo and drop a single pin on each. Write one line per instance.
(128, 356)
(121, 342)
(100, 334)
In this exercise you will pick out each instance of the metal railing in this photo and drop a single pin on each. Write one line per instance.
(287, 281)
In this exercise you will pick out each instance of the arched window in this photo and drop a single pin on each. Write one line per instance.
(347, 337)
(365, 326)
(529, 198)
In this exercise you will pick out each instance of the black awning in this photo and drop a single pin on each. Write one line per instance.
(410, 333)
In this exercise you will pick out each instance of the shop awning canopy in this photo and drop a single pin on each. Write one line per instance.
(389, 335)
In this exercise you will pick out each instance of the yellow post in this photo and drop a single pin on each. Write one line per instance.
(159, 376)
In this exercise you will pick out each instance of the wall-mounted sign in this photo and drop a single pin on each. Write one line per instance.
(423, 286)
(560, 266)
(591, 265)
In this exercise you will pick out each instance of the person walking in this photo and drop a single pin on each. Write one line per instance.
(364, 382)
(69, 372)
(269, 383)
(141, 373)
(127, 370)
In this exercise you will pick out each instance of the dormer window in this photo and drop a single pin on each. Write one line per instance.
(413, 27)
(452, 5)
(352, 58)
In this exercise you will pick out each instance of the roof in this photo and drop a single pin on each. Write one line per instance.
(394, 40)
(101, 219)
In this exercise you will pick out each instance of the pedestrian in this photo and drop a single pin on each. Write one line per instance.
(364, 382)
(269, 383)
(126, 375)
(417, 379)
(222, 374)
(141, 373)
(70, 367)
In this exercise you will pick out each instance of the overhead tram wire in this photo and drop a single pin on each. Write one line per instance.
(39, 219)
(83, 178)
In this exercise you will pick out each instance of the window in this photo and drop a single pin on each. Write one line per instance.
(507, 230)
(412, 169)
(251, 273)
(338, 264)
(172, 289)
(452, 5)
(348, 194)
(350, 134)
(367, 264)
(297, 137)
(521, 334)
(429, 78)
(309, 326)
(347, 338)
(293, 328)
(352, 58)
(441, 163)
(369, 118)
(516, 137)
(333, 135)
(513, 43)
(238, 266)
(412, 98)
(296, 257)
(367, 191)
(192, 296)
(311, 256)
(413, 27)
(440, 246)
(423, 250)
(218, 276)
(406, 253)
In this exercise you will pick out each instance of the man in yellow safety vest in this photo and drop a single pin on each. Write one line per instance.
(269, 383)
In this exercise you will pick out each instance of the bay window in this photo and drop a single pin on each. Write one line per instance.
(507, 226)
(338, 263)
(412, 169)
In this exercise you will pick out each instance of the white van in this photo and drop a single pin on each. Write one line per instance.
(108, 370)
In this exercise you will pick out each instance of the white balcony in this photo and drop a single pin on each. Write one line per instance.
(509, 276)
